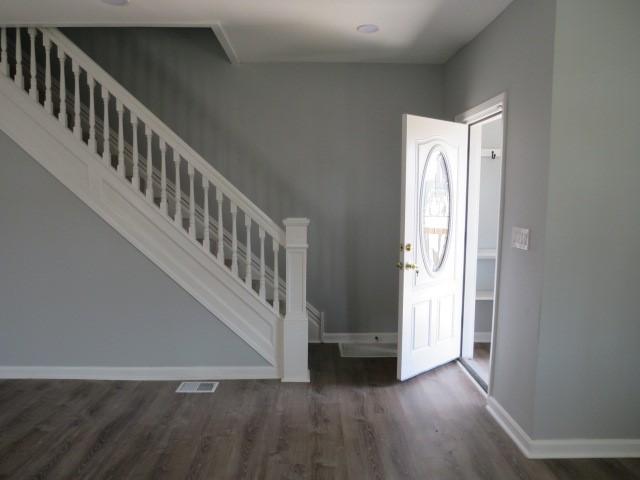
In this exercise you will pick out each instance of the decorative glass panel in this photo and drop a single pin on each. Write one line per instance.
(435, 210)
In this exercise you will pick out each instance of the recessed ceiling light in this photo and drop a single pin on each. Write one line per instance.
(117, 3)
(368, 28)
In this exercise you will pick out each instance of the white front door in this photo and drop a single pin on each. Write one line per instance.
(434, 174)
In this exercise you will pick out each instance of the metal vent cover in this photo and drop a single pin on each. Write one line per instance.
(197, 387)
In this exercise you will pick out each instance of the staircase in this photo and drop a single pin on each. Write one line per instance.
(156, 191)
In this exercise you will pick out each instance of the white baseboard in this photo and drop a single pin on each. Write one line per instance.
(482, 337)
(304, 378)
(386, 337)
(562, 448)
(510, 426)
(139, 373)
(317, 334)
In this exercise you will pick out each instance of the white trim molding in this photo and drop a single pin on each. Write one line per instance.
(139, 373)
(225, 43)
(295, 328)
(562, 448)
(493, 106)
(486, 109)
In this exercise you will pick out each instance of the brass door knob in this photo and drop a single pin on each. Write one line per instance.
(400, 265)
(410, 266)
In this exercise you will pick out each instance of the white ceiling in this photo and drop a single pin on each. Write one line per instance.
(411, 31)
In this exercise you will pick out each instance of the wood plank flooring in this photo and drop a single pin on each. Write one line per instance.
(480, 362)
(353, 421)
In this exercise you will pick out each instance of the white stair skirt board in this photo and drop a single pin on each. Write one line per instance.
(139, 373)
(368, 350)
(564, 448)
(142, 224)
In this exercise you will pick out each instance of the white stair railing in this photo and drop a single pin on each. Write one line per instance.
(178, 162)
(138, 169)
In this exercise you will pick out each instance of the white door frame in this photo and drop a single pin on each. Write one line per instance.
(474, 115)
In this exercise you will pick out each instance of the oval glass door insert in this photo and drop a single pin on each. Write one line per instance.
(435, 210)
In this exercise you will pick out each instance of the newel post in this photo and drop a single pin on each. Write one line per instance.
(295, 331)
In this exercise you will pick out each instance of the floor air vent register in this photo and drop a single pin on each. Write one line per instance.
(197, 387)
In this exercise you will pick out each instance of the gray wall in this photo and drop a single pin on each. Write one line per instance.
(315, 140)
(515, 54)
(75, 293)
(590, 327)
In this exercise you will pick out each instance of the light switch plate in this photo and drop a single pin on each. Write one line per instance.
(520, 238)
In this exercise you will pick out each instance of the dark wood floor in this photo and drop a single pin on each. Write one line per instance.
(353, 421)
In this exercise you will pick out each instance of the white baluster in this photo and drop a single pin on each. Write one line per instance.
(48, 104)
(18, 78)
(263, 290)
(92, 114)
(121, 165)
(177, 217)
(234, 239)
(248, 259)
(106, 146)
(295, 327)
(62, 114)
(220, 252)
(163, 176)
(76, 99)
(136, 168)
(206, 237)
(149, 190)
(4, 59)
(192, 203)
(33, 85)
(276, 277)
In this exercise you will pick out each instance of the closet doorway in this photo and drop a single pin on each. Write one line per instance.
(483, 233)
